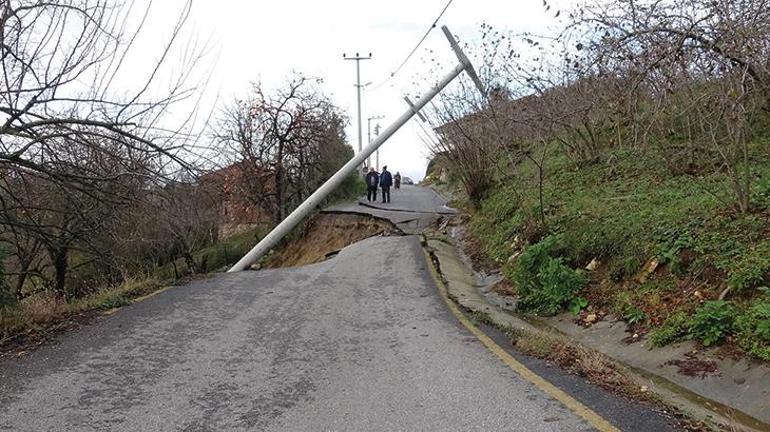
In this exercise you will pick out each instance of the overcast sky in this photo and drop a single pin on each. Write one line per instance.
(266, 40)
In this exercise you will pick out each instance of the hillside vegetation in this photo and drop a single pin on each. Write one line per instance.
(623, 168)
(628, 214)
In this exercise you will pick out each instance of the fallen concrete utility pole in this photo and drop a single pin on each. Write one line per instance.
(319, 195)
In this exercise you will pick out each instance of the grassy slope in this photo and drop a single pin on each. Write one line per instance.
(630, 210)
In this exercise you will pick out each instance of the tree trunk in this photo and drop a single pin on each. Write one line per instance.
(279, 185)
(190, 261)
(20, 280)
(60, 260)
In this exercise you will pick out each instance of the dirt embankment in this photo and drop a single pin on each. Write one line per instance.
(325, 234)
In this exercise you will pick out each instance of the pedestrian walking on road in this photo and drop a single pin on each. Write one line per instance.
(397, 181)
(386, 181)
(372, 180)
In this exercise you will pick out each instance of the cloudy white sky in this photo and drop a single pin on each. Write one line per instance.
(266, 40)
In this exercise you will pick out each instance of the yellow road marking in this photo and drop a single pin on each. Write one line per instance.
(546, 387)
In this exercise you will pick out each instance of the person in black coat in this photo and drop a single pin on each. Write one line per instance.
(386, 181)
(372, 180)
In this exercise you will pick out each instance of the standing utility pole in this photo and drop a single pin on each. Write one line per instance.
(317, 197)
(369, 140)
(358, 59)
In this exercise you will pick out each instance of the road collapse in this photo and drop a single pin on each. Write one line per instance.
(325, 234)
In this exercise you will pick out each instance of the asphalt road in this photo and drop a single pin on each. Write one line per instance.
(411, 208)
(414, 199)
(362, 342)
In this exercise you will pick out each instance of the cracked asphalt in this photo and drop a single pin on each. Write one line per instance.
(362, 342)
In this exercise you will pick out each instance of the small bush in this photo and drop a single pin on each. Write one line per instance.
(115, 297)
(577, 304)
(713, 321)
(545, 284)
(761, 193)
(112, 301)
(671, 242)
(621, 303)
(676, 328)
(352, 187)
(525, 271)
(753, 328)
(750, 268)
(635, 315)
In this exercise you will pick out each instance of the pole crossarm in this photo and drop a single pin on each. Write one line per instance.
(464, 60)
(317, 197)
(416, 111)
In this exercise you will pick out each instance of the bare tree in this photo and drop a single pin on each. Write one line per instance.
(702, 70)
(467, 142)
(188, 215)
(287, 143)
(75, 149)
(685, 78)
(49, 49)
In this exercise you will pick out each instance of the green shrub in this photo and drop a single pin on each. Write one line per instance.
(751, 267)
(753, 328)
(112, 301)
(760, 193)
(524, 272)
(676, 328)
(671, 242)
(577, 304)
(545, 283)
(352, 187)
(713, 321)
(635, 315)
(621, 303)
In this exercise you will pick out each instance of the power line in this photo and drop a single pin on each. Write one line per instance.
(425, 36)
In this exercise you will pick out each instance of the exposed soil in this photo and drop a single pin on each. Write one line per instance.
(325, 234)
(693, 366)
(504, 288)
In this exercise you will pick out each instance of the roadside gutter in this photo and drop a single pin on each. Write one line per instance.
(738, 397)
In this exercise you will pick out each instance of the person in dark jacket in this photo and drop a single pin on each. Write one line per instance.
(386, 181)
(397, 181)
(372, 180)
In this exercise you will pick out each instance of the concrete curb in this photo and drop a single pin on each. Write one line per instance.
(462, 288)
